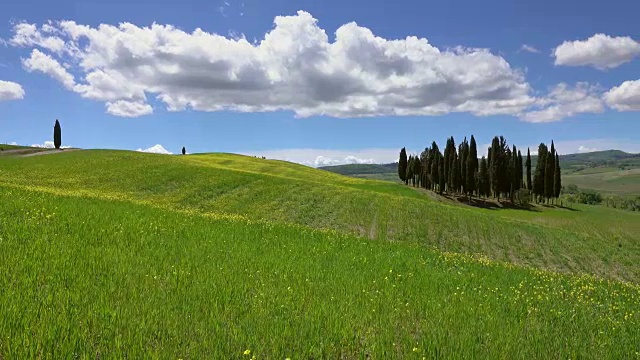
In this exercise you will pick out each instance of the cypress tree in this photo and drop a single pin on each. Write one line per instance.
(441, 179)
(528, 166)
(455, 174)
(451, 177)
(464, 153)
(409, 175)
(557, 183)
(427, 169)
(483, 178)
(416, 170)
(550, 167)
(435, 176)
(494, 167)
(57, 135)
(538, 177)
(402, 166)
(184, 151)
(433, 159)
(520, 171)
(512, 172)
(472, 166)
(447, 155)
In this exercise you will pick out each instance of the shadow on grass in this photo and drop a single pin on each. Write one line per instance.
(493, 204)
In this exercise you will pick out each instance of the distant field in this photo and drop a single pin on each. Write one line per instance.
(13, 147)
(621, 182)
(383, 176)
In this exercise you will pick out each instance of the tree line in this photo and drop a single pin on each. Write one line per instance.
(500, 174)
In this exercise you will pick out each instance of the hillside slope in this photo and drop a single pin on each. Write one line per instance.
(598, 241)
(98, 278)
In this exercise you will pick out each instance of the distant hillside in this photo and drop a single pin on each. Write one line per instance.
(611, 171)
(361, 169)
(608, 158)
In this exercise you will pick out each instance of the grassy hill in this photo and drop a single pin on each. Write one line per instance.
(142, 255)
(611, 171)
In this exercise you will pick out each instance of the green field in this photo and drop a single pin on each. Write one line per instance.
(615, 181)
(126, 254)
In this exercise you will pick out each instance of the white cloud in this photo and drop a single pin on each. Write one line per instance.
(294, 67)
(324, 157)
(49, 145)
(564, 101)
(156, 149)
(39, 61)
(625, 97)
(600, 51)
(529, 48)
(584, 149)
(13, 143)
(125, 108)
(10, 91)
(28, 35)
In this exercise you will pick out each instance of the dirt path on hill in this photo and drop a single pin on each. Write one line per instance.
(47, 152)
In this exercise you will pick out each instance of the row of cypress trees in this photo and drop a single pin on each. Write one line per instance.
(500, 173)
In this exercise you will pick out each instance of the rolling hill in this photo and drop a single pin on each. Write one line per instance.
(140, 255)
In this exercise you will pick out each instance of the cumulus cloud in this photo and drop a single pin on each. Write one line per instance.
(529, 48)
(584, 149)
(293, 67)
(600, 51)
(324, 157)
(156, 149)
(10, 91)
(49, 145)
(28, 35)
(126, 108)
(39, 61)
(625, 97)
(564, 101)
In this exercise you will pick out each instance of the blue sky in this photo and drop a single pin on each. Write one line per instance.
(320, 82)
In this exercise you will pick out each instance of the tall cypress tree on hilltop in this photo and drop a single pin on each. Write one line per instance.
(57, 135)
(549, 170)
(494, 167)
(483, 179)
(402, 165)
(539, 176)
(409, 175)
(528, 166)
(520, 171)
(447, 155)
(451, 177)
(435, 174)
(504, 157)
(441, 179)
(557, 183)
(417, 170)
(464, 153)
(513, 172)
(472, 166)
